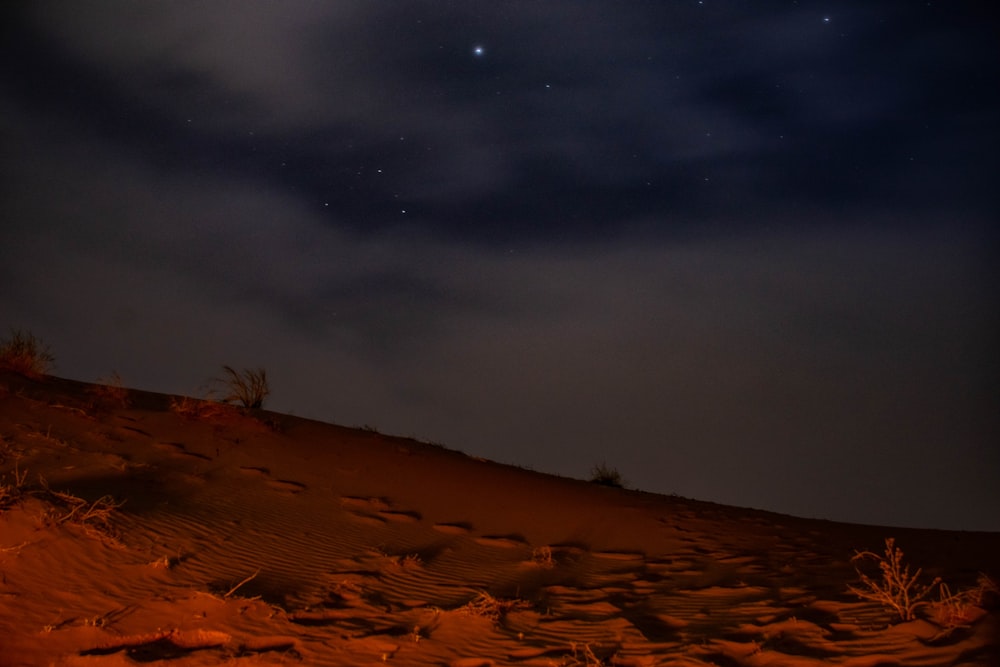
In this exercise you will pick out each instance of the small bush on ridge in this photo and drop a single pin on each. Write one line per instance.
(247, 387)
(25, 354)
(606, 476)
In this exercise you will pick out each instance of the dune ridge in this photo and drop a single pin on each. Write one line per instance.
(279, 540)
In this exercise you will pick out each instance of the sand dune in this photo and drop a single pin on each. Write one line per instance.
(270, 539)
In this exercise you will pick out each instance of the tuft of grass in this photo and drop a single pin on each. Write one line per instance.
(952, 610)
(83, 512)
(986, 594)
(893, 586)
(961, 608)
(606, 476)
(584, 655)
(487, 606)
(248, 387)
(12, 491)
(95, 517)
(543, 557)
(26, 355)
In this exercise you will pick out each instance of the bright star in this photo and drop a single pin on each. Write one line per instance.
(478, 51)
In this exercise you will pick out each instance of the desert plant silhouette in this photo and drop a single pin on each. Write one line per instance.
(248, 387)
(25, 354)
(606, 476)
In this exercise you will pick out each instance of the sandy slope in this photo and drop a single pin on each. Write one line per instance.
(296, 542)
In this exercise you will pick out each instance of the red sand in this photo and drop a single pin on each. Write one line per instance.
(270, 539)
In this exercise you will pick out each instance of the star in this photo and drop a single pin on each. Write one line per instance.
(479, 51)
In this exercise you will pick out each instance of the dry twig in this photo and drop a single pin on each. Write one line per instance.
(896, 589)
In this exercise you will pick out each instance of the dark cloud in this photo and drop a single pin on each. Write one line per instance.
(582, 109)
(742, 253)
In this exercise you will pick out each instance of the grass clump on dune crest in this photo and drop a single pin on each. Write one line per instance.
(606, 476)
(24, 354)
(248, 387)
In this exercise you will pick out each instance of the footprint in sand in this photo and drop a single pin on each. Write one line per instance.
(629, 556)
(177, 449)
(286, 485)
(377, 511)
(456, 528)
(365, 503)
(502, 541)
(367, 519)
(400, 516)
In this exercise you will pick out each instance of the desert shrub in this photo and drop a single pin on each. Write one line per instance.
(952, 610)
(487, 606)
(247, 387)
(986, 594)
(80, 511)
(893, 586)
(69, 508)
(543, 557)
(585, 655)
(963, 607)
(12, 488)
(25, 354)
(606, 476)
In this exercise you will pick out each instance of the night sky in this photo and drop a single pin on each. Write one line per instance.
(741, 251)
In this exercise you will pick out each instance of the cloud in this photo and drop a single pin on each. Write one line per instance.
(578, 109)
(705, 366)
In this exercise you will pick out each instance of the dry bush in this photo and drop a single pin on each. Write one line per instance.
(962, 608)
(953, 610)
(894, 587)
(487, 606)
(987, 592)
(12, 490)
(584, 655)
(606, 476)
(407, 561)
(247, 387)
(24, 354)
(90, 514)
